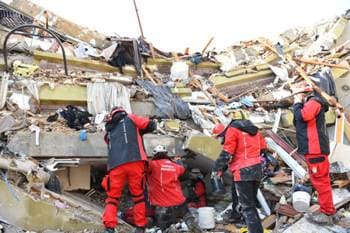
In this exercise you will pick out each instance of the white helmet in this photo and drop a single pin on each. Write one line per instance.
(160, 149)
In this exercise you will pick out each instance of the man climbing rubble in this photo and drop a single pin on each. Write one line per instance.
(165, 192)
(313, 143)
(126, 163)
(243, 145)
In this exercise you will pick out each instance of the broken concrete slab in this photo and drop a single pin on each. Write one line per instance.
(203, 145)
(174, 145)
(94, 147)
(20, 209)
(143, 108)
(304, 226)
(63, 94)
(172, 125)
(6, 123)
(51, 145)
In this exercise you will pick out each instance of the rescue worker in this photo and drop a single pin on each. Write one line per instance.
(242, 147)
(165, 192)
(232, 216)
(196, 189)
(126, 163)
(313, 143)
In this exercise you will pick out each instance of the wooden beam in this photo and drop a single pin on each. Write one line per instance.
(207, 45)
(223, 82)
(73, 61)
(316, 62)
(330, 99)
(148, 75)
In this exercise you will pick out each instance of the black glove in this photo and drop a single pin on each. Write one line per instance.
(221, 163)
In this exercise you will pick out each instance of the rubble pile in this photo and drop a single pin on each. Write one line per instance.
(52, 116)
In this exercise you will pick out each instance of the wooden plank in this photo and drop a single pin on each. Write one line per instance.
(341, 183)
(169, 62)
(269, 221)
(339, 129)
(222, 81)
(286, 209)
(82, 63)
(207, 45)
(316, 62)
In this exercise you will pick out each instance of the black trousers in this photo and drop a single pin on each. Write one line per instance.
(247, 191)
(234, 197)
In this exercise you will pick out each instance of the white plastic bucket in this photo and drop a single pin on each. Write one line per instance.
(206, 218)
(301, 201)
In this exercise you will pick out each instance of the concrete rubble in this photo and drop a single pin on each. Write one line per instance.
(48, 169)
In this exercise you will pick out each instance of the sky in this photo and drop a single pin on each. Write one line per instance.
(173, 25)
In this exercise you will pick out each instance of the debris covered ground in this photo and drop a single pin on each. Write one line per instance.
(53, 156)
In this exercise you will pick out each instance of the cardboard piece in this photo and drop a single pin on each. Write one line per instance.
(74, 178)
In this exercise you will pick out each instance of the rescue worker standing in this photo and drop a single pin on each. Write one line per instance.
(196, 188)
(234, 215)
(126, 163)
(313, 143)
(243, 145)
(165, 192)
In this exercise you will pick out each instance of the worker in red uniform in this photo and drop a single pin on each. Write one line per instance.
(242, 147)
(196, 190)
(233, 215)
(313, 143)
(165, 191)
(126, 163)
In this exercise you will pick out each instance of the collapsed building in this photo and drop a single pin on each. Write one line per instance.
(59, 80)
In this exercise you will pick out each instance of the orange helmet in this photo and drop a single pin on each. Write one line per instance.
(218, 129)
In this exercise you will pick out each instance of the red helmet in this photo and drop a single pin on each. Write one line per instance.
(218, 129)
(115, 110)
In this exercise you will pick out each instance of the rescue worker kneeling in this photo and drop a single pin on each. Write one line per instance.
(243, 145)
(165, 192)
(196, 190)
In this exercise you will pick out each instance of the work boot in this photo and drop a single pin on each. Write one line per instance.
(232, 217)
(320, 218)
(139, 230)
(109, 230)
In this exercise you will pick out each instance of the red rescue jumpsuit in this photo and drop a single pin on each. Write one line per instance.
(126, 163)
(313, 142)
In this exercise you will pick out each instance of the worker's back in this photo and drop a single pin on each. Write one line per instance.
(164, 185)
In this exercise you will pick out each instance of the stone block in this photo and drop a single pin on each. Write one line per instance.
(203, 145)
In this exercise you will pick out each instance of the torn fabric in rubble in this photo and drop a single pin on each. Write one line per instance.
(168, 105)
(102, 97)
